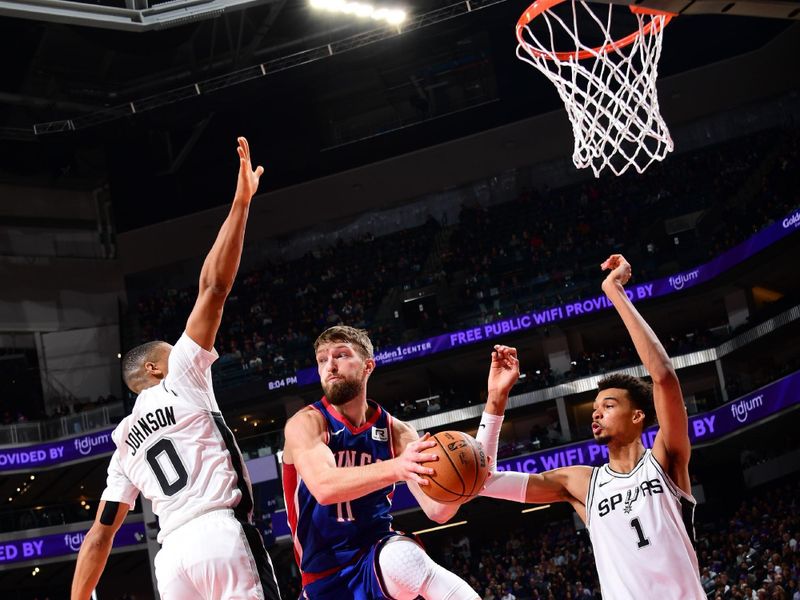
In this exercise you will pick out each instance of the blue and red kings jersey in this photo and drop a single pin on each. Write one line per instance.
(327, 538)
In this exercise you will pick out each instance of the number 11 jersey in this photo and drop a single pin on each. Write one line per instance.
(642, 527)
(176, 449)
(330, 537)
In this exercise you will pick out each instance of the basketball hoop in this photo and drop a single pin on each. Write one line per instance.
(609, 90)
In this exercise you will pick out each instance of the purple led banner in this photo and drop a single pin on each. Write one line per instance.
(63, 544)
(29, 458)
(703, 428)
(653, 289)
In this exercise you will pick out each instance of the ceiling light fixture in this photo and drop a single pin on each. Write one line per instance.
(392, 16)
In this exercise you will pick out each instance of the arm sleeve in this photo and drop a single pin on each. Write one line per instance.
(489, 437)
(506, 485)
(189, 375)
(118, 486)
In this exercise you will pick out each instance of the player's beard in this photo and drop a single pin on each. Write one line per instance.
(342, 391)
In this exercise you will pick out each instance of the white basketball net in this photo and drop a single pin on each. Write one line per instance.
(611, 95)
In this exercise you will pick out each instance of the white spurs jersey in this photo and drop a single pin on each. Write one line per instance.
(175, 448)
(642, 527)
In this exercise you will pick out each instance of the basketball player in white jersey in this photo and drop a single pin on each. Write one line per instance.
(175, 449)
(638, 507)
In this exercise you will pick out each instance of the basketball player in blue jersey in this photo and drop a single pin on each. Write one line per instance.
(342, 457)
(638, 507)
(175, 449)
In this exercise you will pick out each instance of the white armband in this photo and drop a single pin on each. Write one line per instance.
(506, 485)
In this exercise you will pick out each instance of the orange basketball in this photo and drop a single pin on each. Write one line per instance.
(461, 470)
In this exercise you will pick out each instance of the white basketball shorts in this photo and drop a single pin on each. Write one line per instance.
(212, 557)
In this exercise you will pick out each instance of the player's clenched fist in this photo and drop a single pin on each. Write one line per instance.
(620, 269)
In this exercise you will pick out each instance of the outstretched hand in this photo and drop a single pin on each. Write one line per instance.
(247, 183)
(504, 370)
(620, 269)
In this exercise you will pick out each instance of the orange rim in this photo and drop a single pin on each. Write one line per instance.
(540, 6)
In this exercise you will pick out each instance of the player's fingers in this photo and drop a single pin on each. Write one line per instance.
(424, 445)
(421, 458)
(423, 470)
(418, 479)
(611, 262)
(509, 355)
(245, 145)
(259, 171)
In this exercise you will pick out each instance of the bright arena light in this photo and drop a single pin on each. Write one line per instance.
(393, 16)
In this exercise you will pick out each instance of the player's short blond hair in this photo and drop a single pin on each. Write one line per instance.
(347, 335)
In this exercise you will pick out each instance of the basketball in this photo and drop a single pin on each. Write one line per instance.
(461, 470)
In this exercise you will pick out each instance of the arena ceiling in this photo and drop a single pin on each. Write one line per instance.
(91, 104)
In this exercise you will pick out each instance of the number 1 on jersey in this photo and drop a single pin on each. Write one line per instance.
(341, 508)
(643, 541)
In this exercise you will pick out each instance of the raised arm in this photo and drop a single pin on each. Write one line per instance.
(503, 375)
(306, 449)
(96, 547)
(569, 484)
(672, 446)
(222, 263)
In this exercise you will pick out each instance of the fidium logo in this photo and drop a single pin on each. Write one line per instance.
(73, 541)
(741, 409)
(678, 281)
(85, 444)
